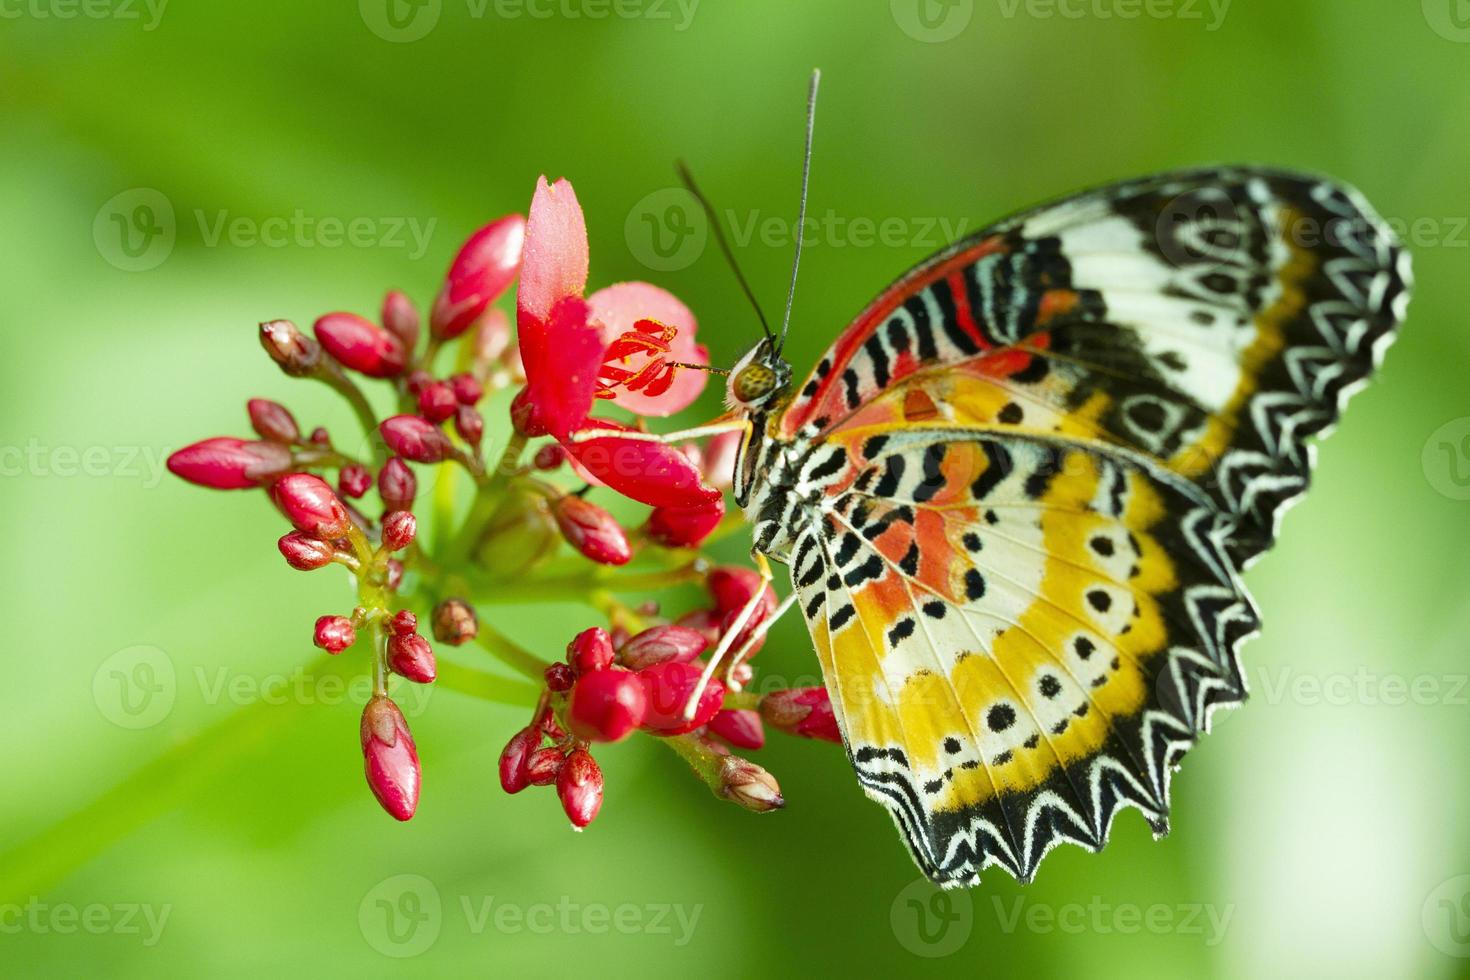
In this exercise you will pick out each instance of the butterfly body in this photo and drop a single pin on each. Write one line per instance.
(1016, 493)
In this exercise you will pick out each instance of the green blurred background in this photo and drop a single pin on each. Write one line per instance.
(1319, 831)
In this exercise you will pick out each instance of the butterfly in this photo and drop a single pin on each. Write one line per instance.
(1016, 493)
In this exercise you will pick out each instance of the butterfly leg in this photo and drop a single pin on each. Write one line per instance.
(683, 435)
(731, 635)
(755, 636)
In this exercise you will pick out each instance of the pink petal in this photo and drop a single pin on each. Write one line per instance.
(618, 308)
(554, 263)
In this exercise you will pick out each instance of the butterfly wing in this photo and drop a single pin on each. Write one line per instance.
(1211, 320)
(1039, 461)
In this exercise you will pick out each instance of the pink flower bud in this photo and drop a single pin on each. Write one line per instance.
(416, 381)
(492, 338)
(411, 656)
(719, 459)
(591, 649)
(804, 711)
(401, 319)
(403, 623)
(305, 553)
(415, 438)
(481, 271)
(467, 391)
(223, 463)
(320, 437)
(705, 622)
(747, 784)
(661, 644)
(360, 344)
(397, 485)
(515, 755)
(526, 416)
(455, 622)
(685, 527)
(668, 687)
(272, 421)
(295, 352)
(395, 574)
(543, 765)
(606, 705)
(311, 506)
(392, 762)
(559, 677)
(470, 424)
(549, 457)
(399, 528)
(579, 787)
(354, 481)
(731, 586)
(592, 531)
(740, 727)
(334, 633)
(437, 401)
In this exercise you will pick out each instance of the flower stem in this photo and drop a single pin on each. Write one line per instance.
(510, 653)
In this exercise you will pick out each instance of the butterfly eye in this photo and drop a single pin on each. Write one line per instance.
(752, 383)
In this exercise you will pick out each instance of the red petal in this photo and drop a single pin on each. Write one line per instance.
(653, 473)
(561, 357)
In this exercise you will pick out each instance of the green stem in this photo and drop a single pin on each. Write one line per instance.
(510, 653)
(486, 687)
(360, 407)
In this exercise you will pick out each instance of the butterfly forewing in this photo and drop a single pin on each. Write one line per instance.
(1016, 492)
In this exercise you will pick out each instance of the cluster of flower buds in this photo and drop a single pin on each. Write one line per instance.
(627, 346)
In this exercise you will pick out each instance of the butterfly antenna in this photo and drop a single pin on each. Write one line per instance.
(714, 222)
(806, 173)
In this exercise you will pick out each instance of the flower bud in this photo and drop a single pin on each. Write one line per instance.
(272, 421)
(401, 319)
(740, 727)
(662, 644)
(415, 438)
(334, 633)
(591, 649)
(492, 338)
(394, 576)
(549, 457)
(579, 787)
(559, 677)
(397, 485)
(294, 351)
(470, 424)
(515, 755)
(354, 481)
(305, 553)
(606, 705)
(467, 391)
(403, 623)
(437, 401)
(747, 784)
(731, 586)
(321, 437)
(685, 527)
(399, 527)
(416, 381)
(543, 765)
(591, 530)
(525, 416)
(804, 711)
(668, 687)
(223, 463)
(719, 459)
(705, 622)
(455, 622)
(311, 506)
(411, 656)
(360, 344)
(481, 271)
(391, 760)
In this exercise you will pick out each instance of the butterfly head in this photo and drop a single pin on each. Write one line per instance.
(760, 377)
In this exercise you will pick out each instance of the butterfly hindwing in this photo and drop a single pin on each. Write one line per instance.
(1019, 636)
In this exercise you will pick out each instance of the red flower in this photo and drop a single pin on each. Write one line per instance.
(804, 711)
(360, 344)
(606, 705)
(334, 633)
(482, 270)
(579, 787)
(668, 686)
(591, 530)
